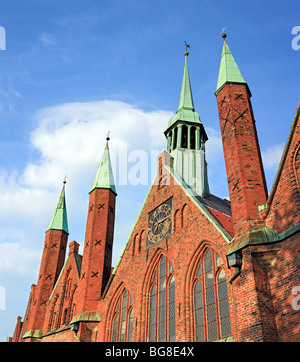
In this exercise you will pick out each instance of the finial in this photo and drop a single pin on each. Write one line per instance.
(223, 33)
(65, 179)
(107, 139)
(186, 46)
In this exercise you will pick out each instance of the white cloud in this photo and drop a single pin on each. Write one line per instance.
(216, 164)
(18, 259)
(214, 148)
(69, 139)
(271, 157)
(47, 39)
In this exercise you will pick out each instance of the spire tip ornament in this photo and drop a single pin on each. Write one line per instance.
(223, 33)
(186, 53)
(107, 139)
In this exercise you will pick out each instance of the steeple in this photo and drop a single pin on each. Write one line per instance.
(59, 220)
(186, 97)
(229, 71)
(104, 178)
(186, 139)
(186, 109)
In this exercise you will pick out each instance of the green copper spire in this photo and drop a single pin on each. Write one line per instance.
(186, 110)
(229, 71)
(186, 97)
(186, 139)
(59, 220)
(104, 178)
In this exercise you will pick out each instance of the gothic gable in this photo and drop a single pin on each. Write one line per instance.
(284, 200)
(186, 206)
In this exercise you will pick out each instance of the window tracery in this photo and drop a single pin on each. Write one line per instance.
(122, 322)
(161, 313)
(211, 307)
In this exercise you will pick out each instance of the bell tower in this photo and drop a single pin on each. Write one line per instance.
(186, 139)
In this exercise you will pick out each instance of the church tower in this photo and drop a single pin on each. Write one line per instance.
(52, 262)
(186, 139)
(246, 179)
(97, 254)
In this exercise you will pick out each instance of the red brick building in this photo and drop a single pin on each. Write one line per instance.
(195, 267)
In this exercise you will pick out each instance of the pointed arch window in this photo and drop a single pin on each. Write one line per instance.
(142, 240)
(53, 314)
(122, 322)
(177, 221)
(184, 215)
(161, 314)
(65, 316)
(210, 297)
(134, 245)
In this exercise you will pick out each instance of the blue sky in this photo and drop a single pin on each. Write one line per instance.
(72, 70)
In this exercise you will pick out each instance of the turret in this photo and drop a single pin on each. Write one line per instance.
(97, 254)
(246, 179)
(52, 262)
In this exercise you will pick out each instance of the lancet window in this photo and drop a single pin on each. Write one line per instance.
(122, 322)
(211, 307)
(161, 313)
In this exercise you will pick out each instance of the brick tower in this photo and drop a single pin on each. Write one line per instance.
(246, 180)
(51, 264)
(97, 254)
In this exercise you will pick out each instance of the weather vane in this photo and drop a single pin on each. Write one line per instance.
(223, 32)
(107, 136)
(65, 179)
(186, 46)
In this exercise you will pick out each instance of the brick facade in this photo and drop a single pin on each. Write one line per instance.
(215, 270)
